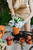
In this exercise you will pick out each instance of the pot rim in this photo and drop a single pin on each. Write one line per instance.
(30, 40)
(9, 40)
(15, 27)
(22, 39)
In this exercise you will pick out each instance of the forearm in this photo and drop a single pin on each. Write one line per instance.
(29, 17)
(12, 12)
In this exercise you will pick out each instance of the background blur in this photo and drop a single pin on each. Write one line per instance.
(5, 15)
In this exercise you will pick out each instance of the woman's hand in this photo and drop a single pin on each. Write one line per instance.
(20, 24)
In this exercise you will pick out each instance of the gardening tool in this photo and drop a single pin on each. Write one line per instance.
(19, 43)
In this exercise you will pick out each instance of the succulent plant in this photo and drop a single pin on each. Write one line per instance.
(8, 38)
(2, 44)
(1, 41)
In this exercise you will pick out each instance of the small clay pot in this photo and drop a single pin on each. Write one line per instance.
(2, 27)
(1, 35)
(16, 30)
(30, 41)
(28, 37)
(22, 40)
(9, 42)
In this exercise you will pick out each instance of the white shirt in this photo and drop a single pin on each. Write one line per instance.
(24, 2)
(8, 1)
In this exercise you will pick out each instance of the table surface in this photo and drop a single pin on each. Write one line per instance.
(15, 46)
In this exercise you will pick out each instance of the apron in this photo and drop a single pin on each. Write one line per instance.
(22, 12)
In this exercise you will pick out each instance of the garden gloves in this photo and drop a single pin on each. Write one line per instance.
(20, 24)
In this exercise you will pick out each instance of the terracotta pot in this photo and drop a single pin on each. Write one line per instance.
(16, 30)
(28, 37)
(22, 40)
(1, 35)
(9, 42)
(30, 41)
(2, 27)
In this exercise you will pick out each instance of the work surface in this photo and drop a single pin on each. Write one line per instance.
(15, 46)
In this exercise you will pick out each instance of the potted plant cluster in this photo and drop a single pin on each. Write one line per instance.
(1, 34)
(9, 40)
(16, 23)
(2, 45)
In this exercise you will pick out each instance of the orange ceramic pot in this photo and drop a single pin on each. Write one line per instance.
(30, 41)
(28, 37)
(9, 42)
(22, 40)
(16, 30)
(2, 27)
(1, 35)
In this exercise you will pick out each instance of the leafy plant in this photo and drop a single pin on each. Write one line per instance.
(17, 19)
(16, 22)
(1, 41)
(8, 38)
(2, 46)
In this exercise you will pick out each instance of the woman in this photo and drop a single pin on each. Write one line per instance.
(23, 10)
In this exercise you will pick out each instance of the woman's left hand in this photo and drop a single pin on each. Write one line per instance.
(20, 24)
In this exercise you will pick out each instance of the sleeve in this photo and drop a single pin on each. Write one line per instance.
(9, 3)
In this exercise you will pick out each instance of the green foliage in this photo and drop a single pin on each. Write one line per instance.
(1, 41)
(4, 13)
(17, 19)
(4, 1)
(32, 21)
(0, 2)
(5, 17)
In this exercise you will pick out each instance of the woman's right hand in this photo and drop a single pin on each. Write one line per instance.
(12, 16)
